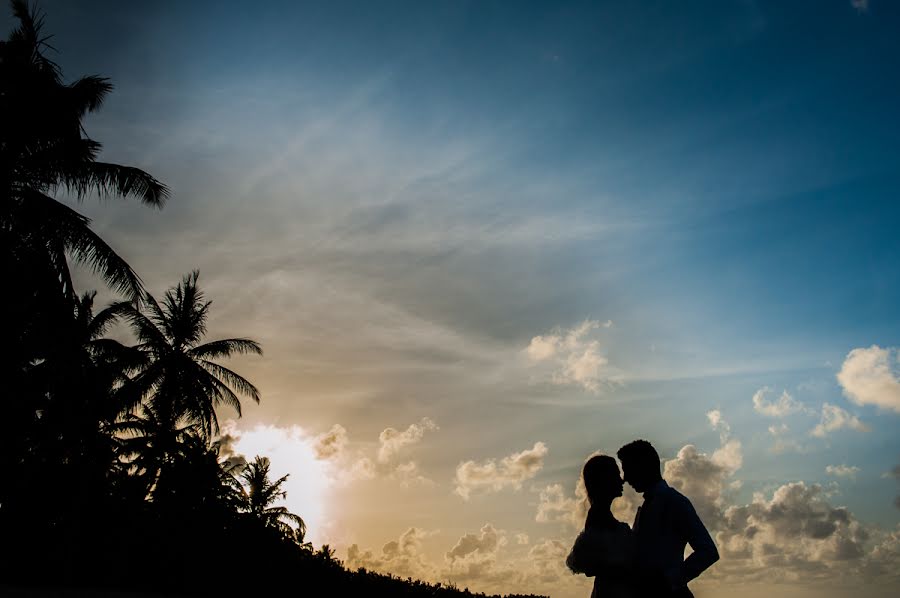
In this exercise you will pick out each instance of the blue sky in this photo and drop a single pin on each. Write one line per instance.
(402, 201)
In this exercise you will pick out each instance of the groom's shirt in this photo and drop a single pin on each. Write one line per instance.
(665, 524)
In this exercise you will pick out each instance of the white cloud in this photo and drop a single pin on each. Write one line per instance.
(835, 418)
(842, 471)
(392, 441)
(781, 407)
(486, 543)
(574, 357)
(331, 443)
(491, 476)
(869, 377)
(860, 5)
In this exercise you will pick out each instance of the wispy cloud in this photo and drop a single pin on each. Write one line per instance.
(842, 471)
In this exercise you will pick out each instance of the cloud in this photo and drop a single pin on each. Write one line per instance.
(834, 418)
(574, 357)
(548, 558)
(781, 407)
(486, 543)
(392, 441)
(842, 471)
(554, 505)
(401, 557)
(475, 558)
(704, 478)
(491, 476)
(362, 469)
(860, 5)
(796, 530)
(408, 474)
(869, 377)
(521, 539)
(331, 443)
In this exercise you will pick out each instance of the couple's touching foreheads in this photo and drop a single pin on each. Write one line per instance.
(645, 560)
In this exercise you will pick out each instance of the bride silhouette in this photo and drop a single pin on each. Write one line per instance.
(605, 549)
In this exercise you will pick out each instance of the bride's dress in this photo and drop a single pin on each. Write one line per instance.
(607, 554)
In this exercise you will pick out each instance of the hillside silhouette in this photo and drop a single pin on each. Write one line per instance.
(112, 475)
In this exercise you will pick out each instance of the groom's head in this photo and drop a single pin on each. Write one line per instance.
(640, 464)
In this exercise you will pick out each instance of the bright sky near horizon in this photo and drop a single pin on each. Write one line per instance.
(479, 241)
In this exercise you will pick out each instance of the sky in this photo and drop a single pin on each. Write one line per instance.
(480, 241)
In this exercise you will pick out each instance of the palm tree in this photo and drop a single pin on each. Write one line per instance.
(44, 150)
(260, 495)
(179, 379)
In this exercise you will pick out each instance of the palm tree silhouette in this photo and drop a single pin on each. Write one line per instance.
(179, 379)
(44, 149)
(260, 495)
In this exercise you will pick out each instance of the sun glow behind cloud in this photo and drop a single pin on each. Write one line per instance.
(291, 452)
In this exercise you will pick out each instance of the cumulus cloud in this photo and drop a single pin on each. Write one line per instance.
(797, 530)
(401, 557)
(548, 558)
(835, 418)
(783, 406)
(704, 478)
(574, 356)
(475, 559)
(493, 476)
(869, 377)
(331, 443)
(392, 441)
(842, 471)
(485, 543)
(554, 505)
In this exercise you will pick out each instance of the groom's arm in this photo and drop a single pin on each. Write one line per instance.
(705, 552)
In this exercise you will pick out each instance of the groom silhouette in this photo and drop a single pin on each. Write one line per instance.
(664, 524)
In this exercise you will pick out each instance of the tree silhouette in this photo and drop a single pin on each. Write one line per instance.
(179, 379)
(260, 496)
(44, 150)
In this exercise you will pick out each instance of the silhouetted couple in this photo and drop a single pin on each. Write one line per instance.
(646, 560)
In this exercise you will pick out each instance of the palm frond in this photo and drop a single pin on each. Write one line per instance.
(225, 348)
(87, 94)
(232, 378)
(72, 230)
(114, 179)
(106, 318)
